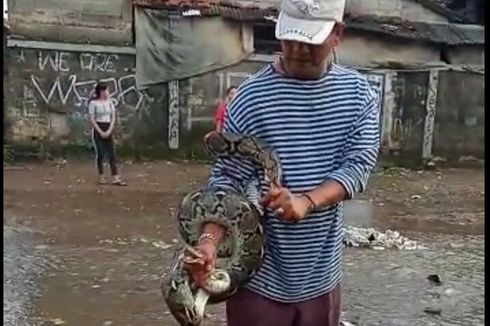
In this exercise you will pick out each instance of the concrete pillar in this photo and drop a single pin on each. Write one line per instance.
(173, 114)
(389, 107)
(430, 106)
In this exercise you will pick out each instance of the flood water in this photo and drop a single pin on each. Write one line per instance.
(115, 280)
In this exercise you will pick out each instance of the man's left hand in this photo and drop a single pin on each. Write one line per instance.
(287, 205)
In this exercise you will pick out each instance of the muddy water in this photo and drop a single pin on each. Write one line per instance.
(76, 276)
(391, 287)
(25, 261)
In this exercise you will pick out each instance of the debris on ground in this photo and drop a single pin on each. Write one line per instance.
(371, 238)
(433, 311)
(136, 239)
(434, 279)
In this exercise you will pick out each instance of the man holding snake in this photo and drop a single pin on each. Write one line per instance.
(323, 121)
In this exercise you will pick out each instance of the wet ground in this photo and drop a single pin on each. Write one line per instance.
(80, 254)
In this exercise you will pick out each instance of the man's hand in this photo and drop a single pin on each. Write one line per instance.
(200, 261)
(287, 206)
(105, 135)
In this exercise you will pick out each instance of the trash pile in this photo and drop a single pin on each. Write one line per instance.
(370, 238)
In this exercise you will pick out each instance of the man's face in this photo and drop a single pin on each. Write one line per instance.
(307, 61)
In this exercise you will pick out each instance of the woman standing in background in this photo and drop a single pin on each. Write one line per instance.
(103, 119)
(219, 117)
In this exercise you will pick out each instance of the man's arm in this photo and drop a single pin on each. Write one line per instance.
(360, 159)
(231, 172)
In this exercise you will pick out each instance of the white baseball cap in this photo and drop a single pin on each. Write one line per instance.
(308, 21)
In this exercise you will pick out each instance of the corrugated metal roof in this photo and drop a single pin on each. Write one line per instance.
(242, 11)
(231, 7)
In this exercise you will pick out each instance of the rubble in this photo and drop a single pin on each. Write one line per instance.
(371, 238)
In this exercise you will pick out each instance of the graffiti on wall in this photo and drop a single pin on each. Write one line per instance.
(67, 79)
(50, 89)
(60, 61)
(70, 90)
(173, 115)
(410, 91)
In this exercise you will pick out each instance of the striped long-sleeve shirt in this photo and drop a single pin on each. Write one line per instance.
(325, 129)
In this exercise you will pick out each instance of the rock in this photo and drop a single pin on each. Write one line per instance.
(431, 165)
(346, 323)
(468, 158)
(58, 321)
(433, 311)
(434, 279)
(449, 291)
(438, 159)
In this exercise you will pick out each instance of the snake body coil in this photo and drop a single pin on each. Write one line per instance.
(243, 243)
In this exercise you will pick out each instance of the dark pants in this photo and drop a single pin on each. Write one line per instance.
(247, 308)
(104, 147)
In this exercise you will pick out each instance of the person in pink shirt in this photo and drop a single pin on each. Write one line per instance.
(219, 116)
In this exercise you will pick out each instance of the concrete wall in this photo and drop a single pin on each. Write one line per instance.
(404, 101)
(46, 94)
(460, 118)
(404, 116)
(89, 21)
(402, 106)
(362, 49)
(466, 55)
(406, 9)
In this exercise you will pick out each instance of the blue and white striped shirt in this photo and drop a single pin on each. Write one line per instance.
(325, 129)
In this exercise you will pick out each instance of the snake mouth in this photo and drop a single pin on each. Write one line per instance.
(218, 283)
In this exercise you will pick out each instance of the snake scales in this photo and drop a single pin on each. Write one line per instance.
(243, 243)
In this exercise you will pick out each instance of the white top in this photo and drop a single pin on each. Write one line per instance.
(102, 110)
